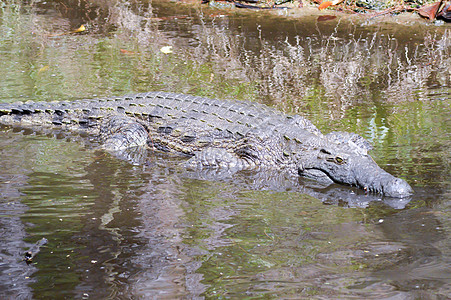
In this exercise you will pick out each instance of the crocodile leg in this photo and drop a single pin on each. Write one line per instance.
(121, 132)
(211, 158)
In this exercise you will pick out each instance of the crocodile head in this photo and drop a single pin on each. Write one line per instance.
(344, 159)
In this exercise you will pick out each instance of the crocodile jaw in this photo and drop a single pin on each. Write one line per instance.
(375, 179)
(360, 171)
(397, 188)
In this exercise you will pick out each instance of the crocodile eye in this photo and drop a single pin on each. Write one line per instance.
(339, 160)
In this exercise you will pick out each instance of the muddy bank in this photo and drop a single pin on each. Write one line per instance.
(407, 13)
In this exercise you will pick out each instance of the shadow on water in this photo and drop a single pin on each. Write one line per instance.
(118, 230)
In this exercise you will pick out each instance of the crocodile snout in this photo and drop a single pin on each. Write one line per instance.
(398, 188)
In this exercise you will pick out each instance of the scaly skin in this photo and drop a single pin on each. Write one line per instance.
(215, 134)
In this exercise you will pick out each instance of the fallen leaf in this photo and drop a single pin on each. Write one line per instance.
(324, 5)
(166, 49)
(430, 11)
(43, 69)
(216, 16)
(325, 18)
(79, 29)
(127, 52)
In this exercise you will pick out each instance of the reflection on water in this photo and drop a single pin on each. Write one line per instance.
(116, 230)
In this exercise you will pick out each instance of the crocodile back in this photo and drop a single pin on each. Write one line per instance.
(164, 111)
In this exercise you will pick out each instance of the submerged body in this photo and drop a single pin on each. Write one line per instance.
(216, 134)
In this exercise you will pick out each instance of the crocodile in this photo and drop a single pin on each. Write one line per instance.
(215, 134)
(34, 250)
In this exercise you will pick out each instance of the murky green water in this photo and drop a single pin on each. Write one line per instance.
(116, 230)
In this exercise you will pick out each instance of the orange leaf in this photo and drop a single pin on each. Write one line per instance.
(127, 52)
(80, 29)
(324, 4)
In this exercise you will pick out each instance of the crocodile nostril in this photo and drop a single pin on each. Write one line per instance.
(324, 151)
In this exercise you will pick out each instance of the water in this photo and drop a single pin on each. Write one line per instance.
(118, 230)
